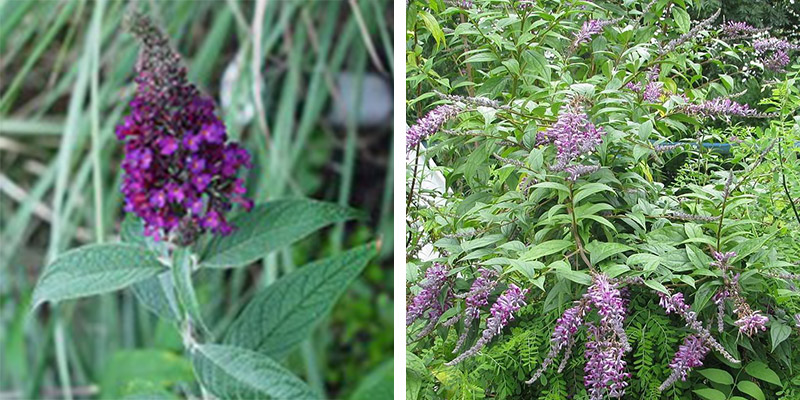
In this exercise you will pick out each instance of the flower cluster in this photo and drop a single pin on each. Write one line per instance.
(604, 371)
(427, 298)
(721, 106)
(774, 52)
(477, 297)
(501, 313)
(749, 321)
(588, 29)
(180, 174)
(674, 303)
(576, 171)
(689, 355)
(573, 134)
(734, 30)
(429, 124)
(653, 90)
(691, 217)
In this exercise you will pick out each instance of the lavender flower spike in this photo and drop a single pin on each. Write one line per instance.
(563, 337)
(429, 124)
(180, 174)
(502, 312)
(691, 34)
(573, 134)
(734, 30)
(589, 28)
(477, 297)
(722, 107)
(690, 355)
(435, 278)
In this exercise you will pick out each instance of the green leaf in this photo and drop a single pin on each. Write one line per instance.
(590, 189)
(599, 251)
(750, 388)
(378, 384)
(682, 19)
(580, 277)
(159, 368)
(759, 370)
(749, 246)
(270, 227)
(432, 25)
(546, 249)
(182, 276)
(152, 293)
(234, 373)
(95, 269)
(778, 332)
(710, 394)
(656, 285)
(285, 313)
(717, 376)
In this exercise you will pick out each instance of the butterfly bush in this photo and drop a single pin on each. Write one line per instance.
(429, 124)
(583, 164)
(435, 278)
(180, 169)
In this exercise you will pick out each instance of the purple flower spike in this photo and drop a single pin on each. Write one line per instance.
(573, 135)
(429, 124)
(690, 355)
(166, 182)
(589, 29)
(435, 278)
(502, 312)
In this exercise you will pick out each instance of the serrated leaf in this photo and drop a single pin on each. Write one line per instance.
(270, 227)
(152, 294)
(750, 388)
(759, 370)
(710, 394)
(717, 376)
(234, 373)
(285, 313)
(95, 269)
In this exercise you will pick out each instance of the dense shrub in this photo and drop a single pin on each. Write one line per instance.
(592, 210)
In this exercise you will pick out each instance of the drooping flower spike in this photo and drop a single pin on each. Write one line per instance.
(435, 278)
(180, 170)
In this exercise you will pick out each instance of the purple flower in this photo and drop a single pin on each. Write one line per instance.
(604, 371)
(576, 171)
(689, 355)
(777, 61)
(164, 162)
(573, 134)
(733, 30)
(477, 297)
(501, 313)
(762, 46)
(435, 277)
(634, 87)
(429, 124)
(563, 337)
(588, 29)
(722, 107)
(751, 322)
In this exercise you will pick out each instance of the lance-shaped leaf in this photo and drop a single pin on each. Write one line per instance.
(95, 269)
(285, 313)
(155, 293)
(234, 373)
(269, 227)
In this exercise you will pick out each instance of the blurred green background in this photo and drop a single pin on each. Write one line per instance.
(66, 76)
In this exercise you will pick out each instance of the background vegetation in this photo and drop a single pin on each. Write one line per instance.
(66, 76)
(483, 193)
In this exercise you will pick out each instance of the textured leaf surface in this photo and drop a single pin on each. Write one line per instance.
(269, 227)
(284, 314)
(378, 384)
(95, 269)
(234, 373)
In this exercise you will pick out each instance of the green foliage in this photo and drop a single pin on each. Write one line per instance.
(483, 193)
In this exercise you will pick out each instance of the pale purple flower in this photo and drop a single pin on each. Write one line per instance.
(588, 29)
(733, 30)
(761, 46)
(435, 277)
(689, 355)
(477, 297)
(604, 371)
(751, 322)
(722, 107)
(429, 124)
(563, 337)
(576, 171)
(777, 61)
(634, 87)
(501, 313)
(693, 33)
(573, 134)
